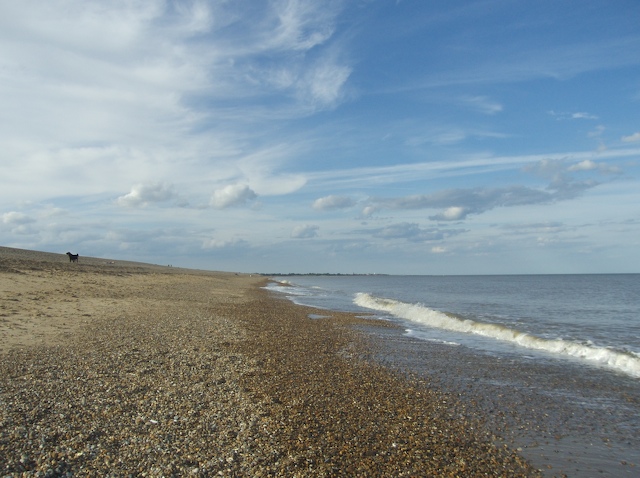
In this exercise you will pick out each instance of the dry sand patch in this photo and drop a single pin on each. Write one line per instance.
(44, 298)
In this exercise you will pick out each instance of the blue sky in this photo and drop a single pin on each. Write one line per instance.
(404, 137)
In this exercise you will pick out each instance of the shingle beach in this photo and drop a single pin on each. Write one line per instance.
(114, 368)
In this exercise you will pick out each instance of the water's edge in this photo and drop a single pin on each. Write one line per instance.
(565, 418)
(577, 428)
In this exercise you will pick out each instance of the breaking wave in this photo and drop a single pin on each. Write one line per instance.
(619, 360)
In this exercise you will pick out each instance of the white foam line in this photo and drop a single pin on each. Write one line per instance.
(618, 360)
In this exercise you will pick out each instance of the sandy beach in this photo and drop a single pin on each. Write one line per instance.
(112, 368)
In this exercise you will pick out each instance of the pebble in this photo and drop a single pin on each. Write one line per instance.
(180, 383)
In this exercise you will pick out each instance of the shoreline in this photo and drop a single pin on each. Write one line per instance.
(566, 417)
(170, 371)
(564, 421)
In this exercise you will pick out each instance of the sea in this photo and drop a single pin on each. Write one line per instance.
(552, 362)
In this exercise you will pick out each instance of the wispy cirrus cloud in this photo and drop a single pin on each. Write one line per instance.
(376, 176)
(105, 71)
(306, 117)
(299, 25)
(482, 104)
(573, 116)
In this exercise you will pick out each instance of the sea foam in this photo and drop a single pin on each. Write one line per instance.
(619, 360)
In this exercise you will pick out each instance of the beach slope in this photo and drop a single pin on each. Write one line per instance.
(121, 368)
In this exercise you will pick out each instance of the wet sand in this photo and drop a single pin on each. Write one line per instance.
(132, 369)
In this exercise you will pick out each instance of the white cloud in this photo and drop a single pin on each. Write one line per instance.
(223, 243)
(454, 213)
(370, 210)
(547, 168)
(14, 218)
(582, 115)
(144, 194)
(273, 184)
(332, 202)
(589, 165)
(96, 60)
(586, 165)
(19, 224)
(438, 250)
(306, 231)
(457, 204)
(631, 138)
(232, 195)
(201, 94)
(50, 211)
(260, 169)
(130, 81)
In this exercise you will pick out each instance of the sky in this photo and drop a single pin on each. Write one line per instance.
(334, 136)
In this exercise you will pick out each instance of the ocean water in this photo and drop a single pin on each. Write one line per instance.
(561, 353)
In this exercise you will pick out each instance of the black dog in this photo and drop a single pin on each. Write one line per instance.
(73, 257)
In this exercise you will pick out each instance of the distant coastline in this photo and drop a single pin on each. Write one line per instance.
(331, 274)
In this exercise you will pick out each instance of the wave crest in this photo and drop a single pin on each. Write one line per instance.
(418, 313)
